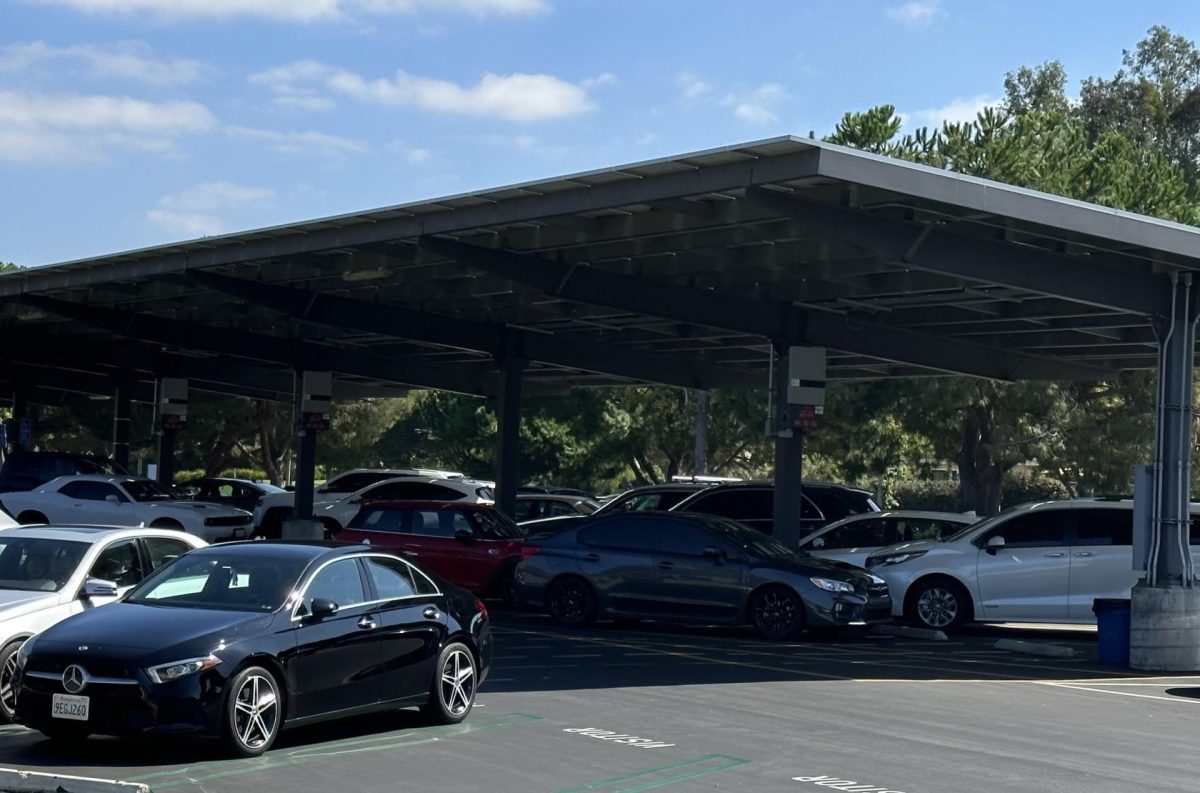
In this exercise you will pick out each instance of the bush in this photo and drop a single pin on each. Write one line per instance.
(939, 496)
(1017, 488)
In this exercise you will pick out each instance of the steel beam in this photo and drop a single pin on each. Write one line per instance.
(934, 248)
(486, 337)
(779, 321)
(241, 344)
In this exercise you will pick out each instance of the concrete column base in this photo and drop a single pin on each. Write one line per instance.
(1164, 630)
(302, 530)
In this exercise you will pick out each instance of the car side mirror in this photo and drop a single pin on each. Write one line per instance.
(718, 555)
(819, 542)
(322, 608)
(98, 587)
(994, 544)
(465, 536)
(112, 499)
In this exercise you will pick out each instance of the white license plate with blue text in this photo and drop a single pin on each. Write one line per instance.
(65, 706)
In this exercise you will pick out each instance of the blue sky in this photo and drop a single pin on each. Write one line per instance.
(128, 123)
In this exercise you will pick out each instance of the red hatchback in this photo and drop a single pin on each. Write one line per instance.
(474, 546)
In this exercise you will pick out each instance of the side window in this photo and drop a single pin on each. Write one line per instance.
(412, 491)
(683, 538)
(387, 519)
(226, 490)
(161, 550)
(339, 582)
(860, 534)
(726, 505)
(526, 509)
(493, 525)
(1044, 529)
(908, 529)
(96, 491)
(434, 523)
(626, 533)
(1104, 527)
(71, 489)
(120, 563)
(559, 508)
(391, 577)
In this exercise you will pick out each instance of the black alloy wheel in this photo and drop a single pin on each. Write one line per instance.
(452, 692)
(777, 613)
(253, 712)
(572, 602)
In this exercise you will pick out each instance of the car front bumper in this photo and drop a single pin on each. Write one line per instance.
(829, 609)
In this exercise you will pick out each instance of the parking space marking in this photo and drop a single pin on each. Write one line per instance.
(1075, 687)
(196, 774)
(681, 771)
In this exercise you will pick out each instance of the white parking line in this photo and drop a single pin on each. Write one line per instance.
(1181, 700)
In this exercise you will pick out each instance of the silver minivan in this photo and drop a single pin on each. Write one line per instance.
(1039, 562)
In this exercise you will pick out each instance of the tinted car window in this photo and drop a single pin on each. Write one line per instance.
(626, 533)
(120, 563)
(352, 483)
(683, 538)
(91, 491)
(837, 504)
(339, 582)
(908, 529)
(164, 549)
(527, 510)
(437, 523)
(391, 577)
(1046, 528)
(33, 565)
(1104, 527)
(736, 504)
(494, 526)
(412, 491)
(860, 534)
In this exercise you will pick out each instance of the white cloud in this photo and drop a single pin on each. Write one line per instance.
(915, 13)
(608, 78)
(197, 211)
(692, 87)
(70, 127)
(757, 106)
(297, 10)
(307, 142)
(413, 154)
(514, 97)
(957, 111)
(127, 60)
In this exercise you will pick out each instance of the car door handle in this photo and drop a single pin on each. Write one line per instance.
(431, 613)
(367, 623)
(591, 557)
(666, 565)
(1054, 555)
(1084, 553)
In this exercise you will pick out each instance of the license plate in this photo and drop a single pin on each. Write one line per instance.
(65, 706)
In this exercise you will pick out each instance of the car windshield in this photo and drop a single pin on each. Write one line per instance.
(223, 580)
(753, 542)
(983, 524)
(641, 502)
(146, 490)
(38, 565)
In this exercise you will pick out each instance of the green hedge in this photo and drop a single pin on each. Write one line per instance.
(943, 496)
(253, 474)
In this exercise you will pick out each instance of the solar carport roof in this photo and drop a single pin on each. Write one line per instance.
(680, 271)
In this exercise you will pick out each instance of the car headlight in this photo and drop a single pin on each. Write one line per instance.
(24, 653)
(894, 558)
(832, 585)
(165, 673)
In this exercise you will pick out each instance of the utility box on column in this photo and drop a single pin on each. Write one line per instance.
(173, 402)
(806, 376)
(316, 401)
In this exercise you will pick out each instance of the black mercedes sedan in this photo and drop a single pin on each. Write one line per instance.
(688, 567)
(241, 640)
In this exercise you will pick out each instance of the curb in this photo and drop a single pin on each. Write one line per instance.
(1035, 648)
(17, 781)
(910, 632)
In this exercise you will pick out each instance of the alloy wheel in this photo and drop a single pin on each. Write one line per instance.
(571, 603)
(8, 692)
(256, 711)
(458, 682)
(937, 607)
(775, 613)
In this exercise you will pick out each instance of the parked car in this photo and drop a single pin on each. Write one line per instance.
(557, 491)
(242, 640)
(531, 506)
(124, 501)
(1039, 562)
(48, 573)
(274, 508)
(338, 514)
(688, 567)
(652, 497)
(26, 470)
(852, 539)
(470, 544)
(240, 493)
(753, 504)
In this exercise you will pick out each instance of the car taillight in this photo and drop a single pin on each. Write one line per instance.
(482, 608)
(529, 550)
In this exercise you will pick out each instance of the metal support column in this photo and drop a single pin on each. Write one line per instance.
(122, 405)
(306, 460)
(1165, 628)
(789, 456)
(166, 457)
(508, 419)
(700, 449)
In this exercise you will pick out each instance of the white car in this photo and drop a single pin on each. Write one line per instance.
(853, 538)
(48, 573)
(273, 509)
(338, 514)
(1039, 562)
(124, 501)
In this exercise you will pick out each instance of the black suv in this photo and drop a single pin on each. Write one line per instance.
(27, 470)
(753, 504)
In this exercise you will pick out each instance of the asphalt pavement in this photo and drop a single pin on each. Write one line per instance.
(625, 709)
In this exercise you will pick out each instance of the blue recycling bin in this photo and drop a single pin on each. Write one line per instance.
(1112, 630)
